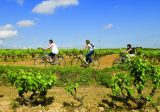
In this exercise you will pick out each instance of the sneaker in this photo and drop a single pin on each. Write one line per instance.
(53, 63)
(85, 65)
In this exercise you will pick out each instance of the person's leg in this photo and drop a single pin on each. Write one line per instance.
(88, 56)
(132, 55)
(51, 57)
(129, 56)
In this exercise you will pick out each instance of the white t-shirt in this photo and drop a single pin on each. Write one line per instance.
(90, 47)
(54, 48)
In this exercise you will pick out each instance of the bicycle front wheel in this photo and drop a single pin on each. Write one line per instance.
(76, 62)
(60, 61)
(117, 61)
(40, 61)
(96, 62)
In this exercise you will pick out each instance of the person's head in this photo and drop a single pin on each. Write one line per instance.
(129, 46)
(87, 42)
(50, 41)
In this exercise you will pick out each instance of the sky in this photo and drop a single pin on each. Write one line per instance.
(106, 23)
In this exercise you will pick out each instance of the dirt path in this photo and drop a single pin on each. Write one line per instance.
(19, 63)
(91, 99)
(105, 61)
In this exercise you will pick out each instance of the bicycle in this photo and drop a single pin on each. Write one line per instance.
(123, 59)
(44, 58)
(80, 60)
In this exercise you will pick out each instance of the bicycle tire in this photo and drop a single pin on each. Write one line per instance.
(116, 62)
(96, 62)
(40, 61)
(76, 62)
(61, 61)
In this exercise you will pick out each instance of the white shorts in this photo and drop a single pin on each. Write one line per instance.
(131, 55)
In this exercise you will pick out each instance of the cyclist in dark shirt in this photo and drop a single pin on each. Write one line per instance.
(129, 49)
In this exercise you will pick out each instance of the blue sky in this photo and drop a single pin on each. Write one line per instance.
(113, 23)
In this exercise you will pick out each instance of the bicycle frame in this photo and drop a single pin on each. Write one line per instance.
(84, 59)
(45, 54)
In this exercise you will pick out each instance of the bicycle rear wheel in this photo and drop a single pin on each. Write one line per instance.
(76, 62)
(96, 62)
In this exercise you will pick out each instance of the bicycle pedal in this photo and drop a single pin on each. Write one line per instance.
(53, 63)
(49, 62)
(85, 65)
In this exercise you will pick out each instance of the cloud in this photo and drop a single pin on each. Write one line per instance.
(108, 26)
(25, 23)
(7, 31)
(20, 2)
(49, 6)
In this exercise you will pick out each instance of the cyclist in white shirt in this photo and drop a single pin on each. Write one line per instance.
(54, 50)
(90, 47)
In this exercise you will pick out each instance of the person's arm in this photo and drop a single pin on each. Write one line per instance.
(89, 46)
(86, 46)
(127, 51)
(50, 46)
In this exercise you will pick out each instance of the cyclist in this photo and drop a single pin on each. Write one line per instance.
(90, 47)
(54, 50)
(130, 51)
(125, 55)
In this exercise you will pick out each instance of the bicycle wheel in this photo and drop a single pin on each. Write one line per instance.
(117, 61)
(40, 61)
(60, 61)
(76, 62)
(96, 62)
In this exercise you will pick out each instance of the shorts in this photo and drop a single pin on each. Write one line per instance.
(131, 55)
(52, 55)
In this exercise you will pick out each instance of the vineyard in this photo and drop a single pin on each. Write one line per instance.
(14, 55)
(130, 86)
(17, 54)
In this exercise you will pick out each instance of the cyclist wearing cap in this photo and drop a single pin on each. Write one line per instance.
(90, 47)
(54, 50)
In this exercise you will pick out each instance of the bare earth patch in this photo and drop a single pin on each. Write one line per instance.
(92, 97)
(107, 61)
